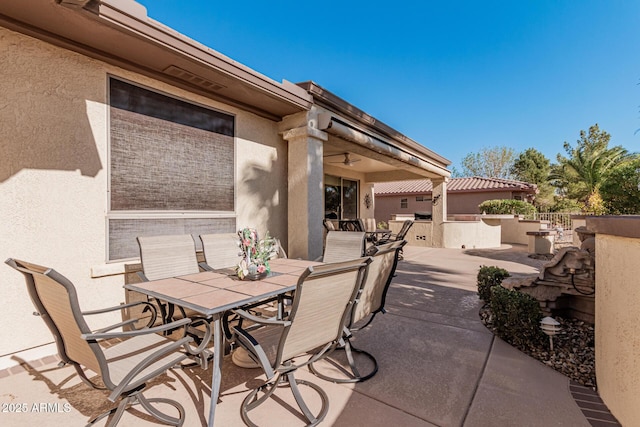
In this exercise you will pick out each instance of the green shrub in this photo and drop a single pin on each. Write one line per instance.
(516, 316)
(489, 277)
(507, 206)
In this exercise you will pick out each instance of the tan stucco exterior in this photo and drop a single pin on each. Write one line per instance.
(484, 233)
(617, 335)
(457, 203)
(53, 174)
(54, 136)
(514, 229)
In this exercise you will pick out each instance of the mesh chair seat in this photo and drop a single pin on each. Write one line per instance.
(220, 251)
(124, 356)
(170, 256)
(370, 301)
(123, 368)
(343, 245)
(320, 308)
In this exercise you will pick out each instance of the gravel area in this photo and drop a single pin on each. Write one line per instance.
(573, 352)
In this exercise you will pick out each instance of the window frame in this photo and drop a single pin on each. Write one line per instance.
(342, 178)
(161, 214)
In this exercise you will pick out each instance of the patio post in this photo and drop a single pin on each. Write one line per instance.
(438, 210)
(305, 193)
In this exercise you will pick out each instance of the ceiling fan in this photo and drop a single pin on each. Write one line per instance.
(348, 161)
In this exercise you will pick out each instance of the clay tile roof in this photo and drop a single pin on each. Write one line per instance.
(474, 183)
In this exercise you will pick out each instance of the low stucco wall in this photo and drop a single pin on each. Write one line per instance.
(472, 234)
(617, 313)
(455, 234)
(514, 230)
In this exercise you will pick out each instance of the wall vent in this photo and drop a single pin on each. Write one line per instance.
(192, 78)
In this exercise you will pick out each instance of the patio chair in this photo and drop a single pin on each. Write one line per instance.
(124, 367)
(369, 224)
(399, 236)
(280, 252)
(328, 225)
(170, 256)
(167, 256)
(221, 251)
(351, 224)
(370, 301)
(322, 302)
(343, 245)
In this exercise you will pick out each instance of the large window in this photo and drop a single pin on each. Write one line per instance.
(340, 198)
(171, 168)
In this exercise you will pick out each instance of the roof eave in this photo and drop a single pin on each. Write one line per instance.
(328, 100)
(120, 32)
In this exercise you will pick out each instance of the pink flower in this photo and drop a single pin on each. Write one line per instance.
(262, 269)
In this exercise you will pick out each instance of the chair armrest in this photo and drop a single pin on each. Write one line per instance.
(206, 267)
(103, 335)
(117, 325)
(148, 306)
(117, 307)
(261, 320)
(128, 380)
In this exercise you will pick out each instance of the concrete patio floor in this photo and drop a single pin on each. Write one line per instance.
(439, 366)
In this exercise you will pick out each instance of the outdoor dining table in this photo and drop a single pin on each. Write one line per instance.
(212, 293)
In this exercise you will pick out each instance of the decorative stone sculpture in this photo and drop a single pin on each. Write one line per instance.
(566, 282)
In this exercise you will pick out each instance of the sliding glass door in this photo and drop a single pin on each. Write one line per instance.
(340, 198)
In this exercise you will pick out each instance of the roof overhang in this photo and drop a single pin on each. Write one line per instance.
(119, 32)
(403, 158)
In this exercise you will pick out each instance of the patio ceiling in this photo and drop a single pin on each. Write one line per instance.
(384, 154)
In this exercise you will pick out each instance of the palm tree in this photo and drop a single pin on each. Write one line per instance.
(585, 170)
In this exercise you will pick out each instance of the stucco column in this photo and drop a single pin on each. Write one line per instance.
(438, 210)
(305, 193)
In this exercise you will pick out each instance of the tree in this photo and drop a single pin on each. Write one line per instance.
(621, 192)
(587, 167)
(532, 166)
(494, 162)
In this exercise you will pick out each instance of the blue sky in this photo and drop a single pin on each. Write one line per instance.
(455, 76)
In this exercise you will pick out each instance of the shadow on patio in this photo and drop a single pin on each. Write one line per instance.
(438, 366)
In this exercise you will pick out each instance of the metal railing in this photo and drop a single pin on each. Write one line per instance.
(559, 221)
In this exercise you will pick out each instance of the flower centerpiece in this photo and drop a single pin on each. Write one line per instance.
(256, 254)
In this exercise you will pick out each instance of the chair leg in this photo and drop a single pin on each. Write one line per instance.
(314, 420)
(252, 401)
(146, 404)
(352, 373)
(133, 399)
(116, 412)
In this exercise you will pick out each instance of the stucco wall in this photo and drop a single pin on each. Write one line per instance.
(616, 330)
(457, 203)
(515, 230)
(456, 234)
(386, 206)
(420, 233)
(472, 234)
(461, 203)
(53, 175)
